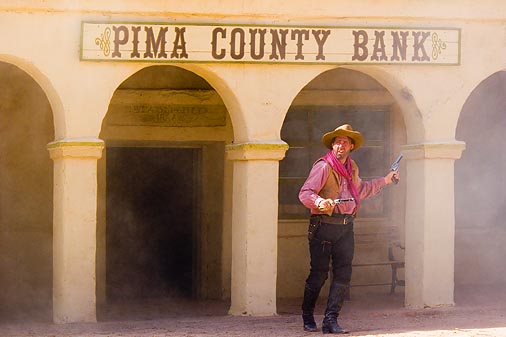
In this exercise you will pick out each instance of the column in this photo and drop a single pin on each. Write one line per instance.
(254, 227)
(74, 228)
(430, 223)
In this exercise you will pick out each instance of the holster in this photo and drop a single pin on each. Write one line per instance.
(314, 224)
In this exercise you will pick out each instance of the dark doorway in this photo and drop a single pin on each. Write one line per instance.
(150, 222)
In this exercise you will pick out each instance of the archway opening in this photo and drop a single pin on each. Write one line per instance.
(161, 190)
(26, 198)
(479, 189)
(334, 98)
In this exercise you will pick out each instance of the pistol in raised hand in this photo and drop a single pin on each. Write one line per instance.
(395, 167)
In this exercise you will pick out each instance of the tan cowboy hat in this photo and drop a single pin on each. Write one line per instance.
(343, 130)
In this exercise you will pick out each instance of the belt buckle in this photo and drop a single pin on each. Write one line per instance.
(347, 219)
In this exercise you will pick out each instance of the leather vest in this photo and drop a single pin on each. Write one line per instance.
(332, 187)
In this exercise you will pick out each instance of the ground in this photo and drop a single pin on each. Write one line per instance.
(475, 313)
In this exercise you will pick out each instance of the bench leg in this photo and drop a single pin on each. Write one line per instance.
(394, 280)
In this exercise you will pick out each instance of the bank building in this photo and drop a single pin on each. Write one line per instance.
(155, 149)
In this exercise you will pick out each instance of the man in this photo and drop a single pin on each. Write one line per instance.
(330, 234)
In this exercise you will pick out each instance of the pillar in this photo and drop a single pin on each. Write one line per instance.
(254, 226)
(74, 228)
(430, 223)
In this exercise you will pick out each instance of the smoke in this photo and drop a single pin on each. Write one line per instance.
(26, 200)
(479, 188)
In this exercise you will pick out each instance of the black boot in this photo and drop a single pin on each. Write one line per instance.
(337, 293)
(310, 297)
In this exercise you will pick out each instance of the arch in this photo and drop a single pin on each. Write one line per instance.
(26, 198)
(44, 82)
(479, 187)
(412, 117)
(223, 89)
(186, 74)
(164, 95)
(336, 96)
(415, 129)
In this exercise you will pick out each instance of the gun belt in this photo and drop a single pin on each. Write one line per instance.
(335, 219)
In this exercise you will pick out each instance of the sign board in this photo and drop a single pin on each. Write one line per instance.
(174, 108)
(177, 42)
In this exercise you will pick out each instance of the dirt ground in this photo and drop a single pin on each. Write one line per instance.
(478, 312)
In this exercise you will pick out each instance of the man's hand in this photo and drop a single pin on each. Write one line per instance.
(389, 178)
(326, 205)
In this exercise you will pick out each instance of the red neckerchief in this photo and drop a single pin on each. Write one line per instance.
(345, 171)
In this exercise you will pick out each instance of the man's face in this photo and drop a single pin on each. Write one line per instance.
(342, 147)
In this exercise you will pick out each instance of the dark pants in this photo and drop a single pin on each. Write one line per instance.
(332, 243)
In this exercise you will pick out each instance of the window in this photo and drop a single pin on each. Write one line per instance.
(303, 129)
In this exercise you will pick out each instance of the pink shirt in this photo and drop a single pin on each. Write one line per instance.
(308, 194)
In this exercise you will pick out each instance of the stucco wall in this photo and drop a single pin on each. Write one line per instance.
(43, 40)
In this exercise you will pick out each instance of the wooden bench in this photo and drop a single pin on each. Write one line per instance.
(395, 264)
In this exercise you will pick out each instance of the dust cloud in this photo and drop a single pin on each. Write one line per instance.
(26, 203)
(26, 183)
(480, 186)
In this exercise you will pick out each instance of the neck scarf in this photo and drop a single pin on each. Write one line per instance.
(345, 171)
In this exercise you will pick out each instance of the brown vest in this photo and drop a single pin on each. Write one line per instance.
(332, 187)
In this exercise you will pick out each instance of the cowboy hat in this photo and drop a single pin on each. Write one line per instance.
(343, 130)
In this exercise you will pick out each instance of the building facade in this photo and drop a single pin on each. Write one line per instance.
(155, 149)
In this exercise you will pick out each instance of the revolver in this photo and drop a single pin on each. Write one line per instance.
(338, 201)
(395, 167)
